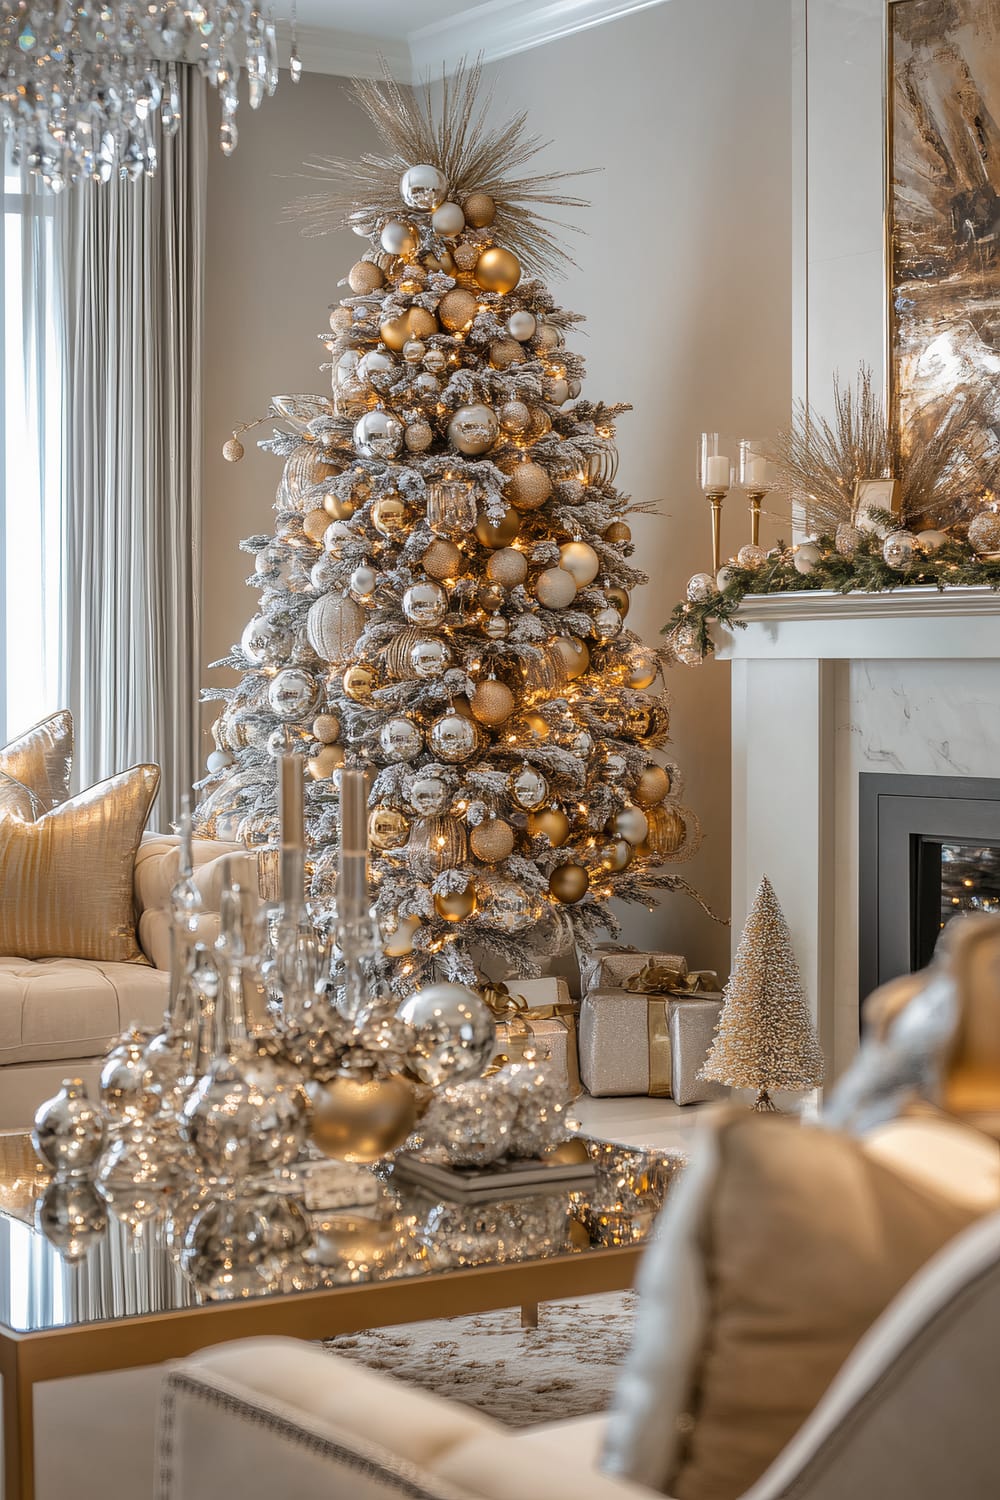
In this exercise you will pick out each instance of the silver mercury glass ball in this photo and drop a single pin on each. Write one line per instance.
(686, 646)
(72, 1215)
(126, 1091)
(453, 738)
(225, 1251)
(424, 187)
(378, 434)
(607, 623)
(376, 362)
(429, 657)
(899, 551)
(454, 1033)
(426, 386)
(473, 429)
(751, 556)
(69, 1131)
(263, 641)
(435, 360)
(292, 692)
(400, 739)
(847, 539)
(414, 351)
(425, 603)
(528, 788)
(496, 627)
(509, 908)
(220, 1120)
(427, 794)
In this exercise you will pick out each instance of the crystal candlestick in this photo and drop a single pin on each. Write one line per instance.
(355, 934)
(295, 970)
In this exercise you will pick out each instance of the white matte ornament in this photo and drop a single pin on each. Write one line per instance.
(400, 739)
(292, 693)
(399, 944)
(363, 582)
(425, 603)
(473, 429)
(454, 1033)
(424, 187)
(521, 325)
(346, 368)
(448, 220)
(932, 540)
(378, 434)
(398, 239)
(453, 737)
(219, 760)
(806, 557)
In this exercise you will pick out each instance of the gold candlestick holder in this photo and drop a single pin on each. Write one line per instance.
(715, 499)
(755, 497)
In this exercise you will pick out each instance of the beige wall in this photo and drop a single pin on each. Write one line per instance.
(684, 277)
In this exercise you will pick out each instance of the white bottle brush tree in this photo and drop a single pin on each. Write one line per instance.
(443, 601)
(764, 1037)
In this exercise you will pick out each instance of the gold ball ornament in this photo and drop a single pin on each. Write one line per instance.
(506, 352)
(233, 450)
(442, 559)
(984, 533)
(549, 823)
(617, 856)
(398, 239)
(390, 516)
(479, 210)
(533, 727)
(361, 1119)
(667, 834)
(653, 785)
(493, 703)
(457, 309)
(340, 319)
(540, 423)
(399, 943)
(456, 906)
(314, 525)
(580, 561)
(515, 416)
(340, 507)
(497, 270)
(631, 824)
(387, 828)
(492, 841)
(326, 760)
(508, 566)
(641, 669)
(364, 277)
(575, 654)
(359, 683)
(415, 323)
(502, 534)
(618, 533)
(555, 588)
(528, 486)
(569, 883)
(326, 729)
(418, 436)
(618, 599)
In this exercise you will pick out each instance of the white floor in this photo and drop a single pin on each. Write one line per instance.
(638, 1121)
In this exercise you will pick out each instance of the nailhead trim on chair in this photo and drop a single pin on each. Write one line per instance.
(282, 1427)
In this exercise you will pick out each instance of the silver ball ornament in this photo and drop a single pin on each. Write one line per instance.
(435, 360)
(378, 434)
(430, 657)
(607, 624)
(453, 738)
(414, 351)
(700, 586)
(292, 692)
(899, 551)
(807, 555)
(528, 788)
(400, 739)
(454, 1034)
(398, 239)
(751, 556)
(424, 187)
(473, 429)
(521, 325)
(425, 603)
(69, 1130)
(362, 582)
(427, 794)
(376, 362)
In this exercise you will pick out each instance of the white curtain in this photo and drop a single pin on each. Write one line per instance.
(132, 278)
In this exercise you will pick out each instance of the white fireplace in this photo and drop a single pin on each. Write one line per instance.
(826, 687)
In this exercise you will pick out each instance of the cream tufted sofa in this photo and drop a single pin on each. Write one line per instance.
(58, 1016)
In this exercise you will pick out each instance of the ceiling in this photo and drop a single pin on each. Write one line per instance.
(417, 36)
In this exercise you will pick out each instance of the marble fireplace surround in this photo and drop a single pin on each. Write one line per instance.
(825, 687)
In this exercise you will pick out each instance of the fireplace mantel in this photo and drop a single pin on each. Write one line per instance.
(826, 687)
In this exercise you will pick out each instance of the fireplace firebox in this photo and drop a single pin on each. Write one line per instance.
(929, 848)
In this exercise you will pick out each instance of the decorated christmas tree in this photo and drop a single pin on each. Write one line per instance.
(764, 1037)
(443, 600)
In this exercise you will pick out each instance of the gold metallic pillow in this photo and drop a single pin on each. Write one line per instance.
(66, 876)
(42, 759)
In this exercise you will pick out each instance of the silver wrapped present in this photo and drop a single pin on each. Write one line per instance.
(647, 1044)
(609, 965)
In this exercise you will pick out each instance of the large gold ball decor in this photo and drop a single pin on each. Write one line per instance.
(364, 277)
(575, 654)
(506, 352)
(533, 727)
(641, 668)
(618, 533)
(617, 856)
(508, 567)
(457, 309)
(328, 758)
(549, 823)
(500, 535)
(390, 516)
(233, 450)
(497, 270)
(437, 844)
(555, 588)
(455, 906)
(514, 416)
(359, 683)
(528, 486)
(580, 560)
(631, 824)
(314, 524)
(479, 210)
(360, 1120)
(442, 559)
(618, 599)
(653, 785)
(340, 507)
(326, 729)
(387, 828)
(666, 833)
(493, 703)
(984, 532)
(492, 841)
(569, 883)
(473, 429)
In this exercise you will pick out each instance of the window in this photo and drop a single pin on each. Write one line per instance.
(31, 447)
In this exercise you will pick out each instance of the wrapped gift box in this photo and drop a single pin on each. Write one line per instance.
(647, 1044)
(538, 1014)
(608, 966)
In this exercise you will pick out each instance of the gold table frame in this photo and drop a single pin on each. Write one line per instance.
(148, 1339)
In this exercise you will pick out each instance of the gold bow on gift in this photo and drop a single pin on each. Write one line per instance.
(670, 979)
(514, 1012)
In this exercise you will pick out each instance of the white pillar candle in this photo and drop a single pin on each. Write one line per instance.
(755, 472)
(717, 472)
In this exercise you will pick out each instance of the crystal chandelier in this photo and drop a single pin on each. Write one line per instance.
(81, 81)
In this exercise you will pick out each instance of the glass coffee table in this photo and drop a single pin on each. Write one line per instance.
(128, 1304)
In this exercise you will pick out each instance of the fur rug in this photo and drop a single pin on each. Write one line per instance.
(566, 1367)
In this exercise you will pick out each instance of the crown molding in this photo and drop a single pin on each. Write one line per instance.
(346, 54)
(501, 28)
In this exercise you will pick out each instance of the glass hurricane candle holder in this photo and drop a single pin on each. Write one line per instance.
(757, 479)
(715, 477)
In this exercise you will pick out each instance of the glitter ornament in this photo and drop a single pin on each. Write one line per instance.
(497, 270)
(454, 1034)
(492, 841)
(493, 703)
(528, 487)
(429, 657)
(473, 429)
(233, 450)
(457, 309)
(333, 626)
(984, 533)
(502, 533)
(442, 560)
(292, 693)
(847, 539)
(506, 352)
(418, 437)
(899, 551)
(549, 823)
(528, 788)
(378, 434)
(521, 325)
(427, 794)
(314, 525)
(581, 561)
(453, 737)
(514, 416)
(764, 1037)
(555, 588)
(365, 277)
(456, 906)
(448, 220)
(361, 1119)
(400, 739)
(652, 786)
(751, 556)
(569, 883)
(549, 336)
(358, 683)
(425, 603)
(326, 729)
(480, 210)
(424, 187)
(508, 567)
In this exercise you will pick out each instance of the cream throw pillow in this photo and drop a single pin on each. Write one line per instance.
(42, 760)
(793, 1241)
(66, 876)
